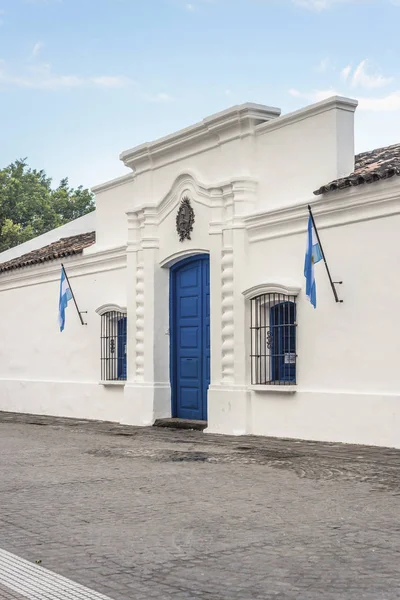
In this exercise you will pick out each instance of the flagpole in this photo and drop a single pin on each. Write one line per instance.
(324, 259)
(73, 297)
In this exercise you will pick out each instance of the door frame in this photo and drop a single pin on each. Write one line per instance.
(172, 323)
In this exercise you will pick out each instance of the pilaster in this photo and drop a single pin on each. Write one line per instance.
(146, 399)
(215, 237)
(229, 400)
(132, 251)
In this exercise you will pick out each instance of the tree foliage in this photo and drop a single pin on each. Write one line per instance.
(29, 206)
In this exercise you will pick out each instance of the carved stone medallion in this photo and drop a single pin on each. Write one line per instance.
(185, 220)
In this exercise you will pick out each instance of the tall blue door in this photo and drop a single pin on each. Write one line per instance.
(190, 337)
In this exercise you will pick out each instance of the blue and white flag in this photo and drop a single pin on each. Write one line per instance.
(313, 255)
(65, 297)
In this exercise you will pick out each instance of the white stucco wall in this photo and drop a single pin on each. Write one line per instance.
(250, 196)
(112, 201)
(347, 377)
(44, 371)
(249, 175)
(303, 150)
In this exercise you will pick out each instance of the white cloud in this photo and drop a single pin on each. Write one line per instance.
(344, 74)
(36, 49)
(43, 2)
(323, 65)
(196, 5)
(41, 76)
(160, 97)
(318, 5)
(320, 95)
(314, 96)
(321, 5)
(362, 78)
(109, 81)
(388, 103)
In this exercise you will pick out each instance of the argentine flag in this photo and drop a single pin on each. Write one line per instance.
(313, 255)
(65, 297)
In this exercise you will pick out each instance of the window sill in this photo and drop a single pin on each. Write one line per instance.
(111, 382)
(279, 389)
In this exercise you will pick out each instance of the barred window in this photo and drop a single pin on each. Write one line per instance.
(273, 339)
(113, 346)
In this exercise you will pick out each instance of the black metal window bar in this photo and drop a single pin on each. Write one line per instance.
(113, 346)
(273, 339)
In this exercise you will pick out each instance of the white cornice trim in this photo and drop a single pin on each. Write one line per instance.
(236, 121)
(337, 102)
(271, 288)
(113, 183)
(353, 205)
(105, 308)
(77, 266)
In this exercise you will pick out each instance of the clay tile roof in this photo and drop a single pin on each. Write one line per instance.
(381, 163)
(64, 247)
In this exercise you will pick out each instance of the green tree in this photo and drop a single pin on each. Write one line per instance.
(29, 206)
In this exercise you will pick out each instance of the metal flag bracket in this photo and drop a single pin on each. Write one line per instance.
(80, 312)
(333, 283)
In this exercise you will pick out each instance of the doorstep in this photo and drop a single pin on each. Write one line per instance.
(181, 424)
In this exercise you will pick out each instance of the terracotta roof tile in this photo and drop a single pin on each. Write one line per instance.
(371, 166)
(64, 247)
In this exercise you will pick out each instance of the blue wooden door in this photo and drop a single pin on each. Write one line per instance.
(190, 337)
(283, 333)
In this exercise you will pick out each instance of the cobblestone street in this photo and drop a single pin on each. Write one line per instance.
(161, 513)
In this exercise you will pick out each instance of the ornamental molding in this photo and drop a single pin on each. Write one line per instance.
(272, 288)
(345, 207)
(106, 308)
(334, 102)
(139, 349)
(187, 183)
(113, 183)
(176, 257)
(227, 317)
(185, 219)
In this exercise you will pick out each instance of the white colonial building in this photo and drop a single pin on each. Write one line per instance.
(190, 273)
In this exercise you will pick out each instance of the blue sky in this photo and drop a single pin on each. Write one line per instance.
(82, 80)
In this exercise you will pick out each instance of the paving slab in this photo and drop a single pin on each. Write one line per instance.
(142, 513)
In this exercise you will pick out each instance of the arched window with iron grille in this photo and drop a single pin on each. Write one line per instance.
(273, 330)
(113, 339)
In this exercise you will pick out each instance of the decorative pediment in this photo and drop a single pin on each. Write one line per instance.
(286, 289)
(105, 308)
(187, 184)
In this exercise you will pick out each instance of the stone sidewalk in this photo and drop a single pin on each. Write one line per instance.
(151, 513)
